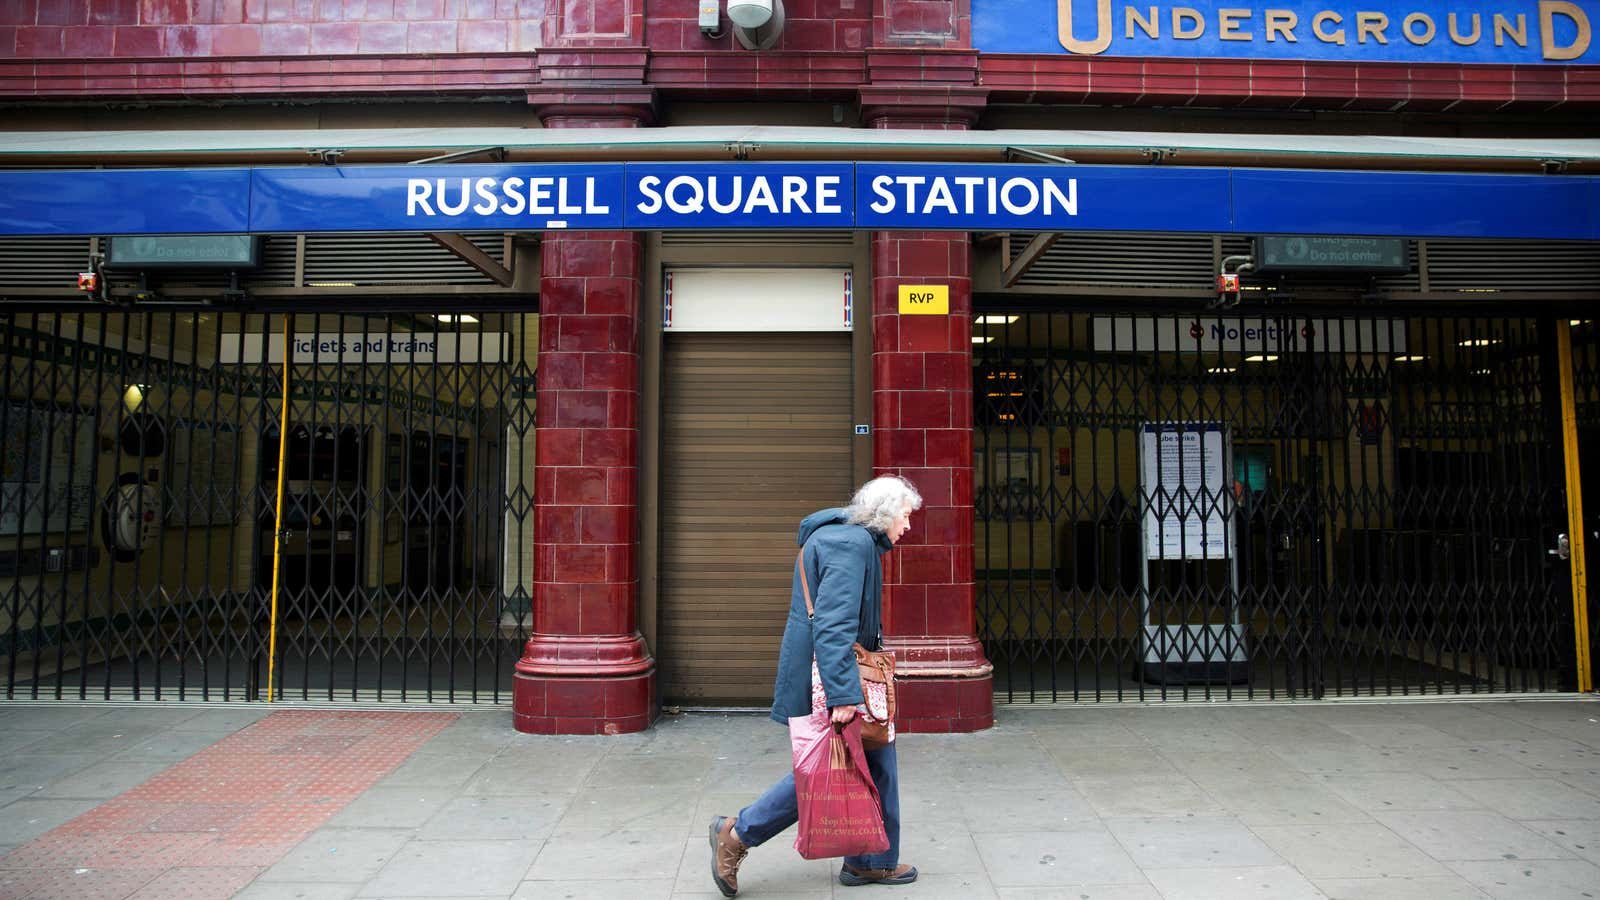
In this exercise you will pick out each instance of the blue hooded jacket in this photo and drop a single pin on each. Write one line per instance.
(844, 567)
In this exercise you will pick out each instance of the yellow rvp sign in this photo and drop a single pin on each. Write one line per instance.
(924, 299)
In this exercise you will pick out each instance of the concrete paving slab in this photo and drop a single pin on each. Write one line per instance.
(936, 852)
(1470, 762)
(1056, 858)
(1393, 791)
(1535, 879)
(1348, 851)
(1161, 795)
(1082, 892)
(1470, 835)
(495, 819)
(334, 855)
(405, 806)
(438, 869)
(630, 809)
(999, 812)
(1581, 837)
(1531, 798)
(1191, 842)
(169, 746)
(1280, 802)
(28, 818)
(625, 889)
(265, 890)
(47, 717)
(1391, 734)
(1546, 754)
(1265, 883)
(1453, 887)
(100, 781)
(602, 854)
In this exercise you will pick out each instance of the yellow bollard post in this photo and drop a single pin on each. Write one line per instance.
(1569, 441)
(277, 516)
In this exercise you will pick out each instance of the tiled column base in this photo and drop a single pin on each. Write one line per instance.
(940, 705)
(566, 705)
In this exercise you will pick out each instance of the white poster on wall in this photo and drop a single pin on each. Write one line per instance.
(372, 348)
(1183, 476)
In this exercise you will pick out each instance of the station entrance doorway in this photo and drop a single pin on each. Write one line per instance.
(1295, 504)
(141, 509)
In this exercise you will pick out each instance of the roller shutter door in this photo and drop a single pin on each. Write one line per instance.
(756, 434)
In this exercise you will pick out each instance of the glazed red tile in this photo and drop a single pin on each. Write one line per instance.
(577, 697)
(557, 524)
(557, 608)
(904, 446)
(611, 371)
(898, 371)
(609, 447)
(924, 334)
(925, 409)
(286, 39)
(606, 524)
(949, 447)
(579, 486)
(577, 563)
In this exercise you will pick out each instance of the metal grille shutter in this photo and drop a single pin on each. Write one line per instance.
(756, 434)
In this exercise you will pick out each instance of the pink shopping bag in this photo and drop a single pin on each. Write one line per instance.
(840, 814)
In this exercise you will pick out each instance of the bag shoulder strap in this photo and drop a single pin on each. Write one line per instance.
(800, 566)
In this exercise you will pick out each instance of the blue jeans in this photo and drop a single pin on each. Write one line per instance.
(777, 809)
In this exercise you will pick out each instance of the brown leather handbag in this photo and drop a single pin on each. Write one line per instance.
(876, 668)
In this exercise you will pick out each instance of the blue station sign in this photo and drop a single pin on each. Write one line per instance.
(723, 196)
(1506, 32)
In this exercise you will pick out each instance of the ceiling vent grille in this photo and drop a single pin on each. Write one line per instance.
(350, 260)
(1121, 260)
(43, 262)
(1472, 266)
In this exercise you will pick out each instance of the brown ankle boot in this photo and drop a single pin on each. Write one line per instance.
(727, 852)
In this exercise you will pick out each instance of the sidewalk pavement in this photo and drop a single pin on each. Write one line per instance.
(1346, 800)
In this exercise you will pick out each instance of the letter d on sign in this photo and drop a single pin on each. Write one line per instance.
(924, 299)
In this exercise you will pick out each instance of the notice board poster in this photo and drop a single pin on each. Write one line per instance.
(1183, 477)
(202, 483)
(46, 465)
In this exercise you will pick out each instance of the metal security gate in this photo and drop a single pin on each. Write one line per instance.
(1246, 505)
(140, 512)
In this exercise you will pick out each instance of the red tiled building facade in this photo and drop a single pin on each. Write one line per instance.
(888, 64)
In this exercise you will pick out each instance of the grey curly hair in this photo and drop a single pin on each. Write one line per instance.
(880, 501)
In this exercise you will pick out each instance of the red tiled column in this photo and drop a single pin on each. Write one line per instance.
(586, 669)
(922, 411)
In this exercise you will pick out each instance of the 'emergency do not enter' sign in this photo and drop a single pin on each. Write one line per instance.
(924, 299)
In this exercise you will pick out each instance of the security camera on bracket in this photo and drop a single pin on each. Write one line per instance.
(757, 24)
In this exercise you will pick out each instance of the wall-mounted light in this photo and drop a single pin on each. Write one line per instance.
(757, 24)
(995, 320)
(133, 397)
(1262, 357)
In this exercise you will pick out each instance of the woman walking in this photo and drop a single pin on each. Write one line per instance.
(842, 555)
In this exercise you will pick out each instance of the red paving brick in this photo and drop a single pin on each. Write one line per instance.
(209, 825)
